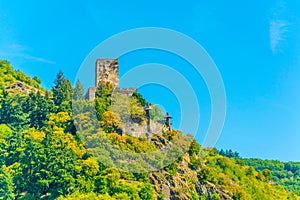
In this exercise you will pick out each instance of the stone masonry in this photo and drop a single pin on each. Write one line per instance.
(107, 70)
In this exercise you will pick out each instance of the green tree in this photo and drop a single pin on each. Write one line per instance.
(156, 113)
(137, 112)
(250, 171)
(62, 92)
(229, 153)
(103, 99)
(5, 133)
(47, 164)
(6, 184)
(139, 98)
(214, 196)
(60, 121)
(78, 91)
(172, 168)
(101, 185)
(112, 122)
(267, 174)
(146, 192)
(195, 163)
(11, 111)
(104, 90)
(120, 104)
(38, 107)
(36, 79)
(194, 148)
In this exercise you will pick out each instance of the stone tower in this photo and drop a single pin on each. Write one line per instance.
(107, 70)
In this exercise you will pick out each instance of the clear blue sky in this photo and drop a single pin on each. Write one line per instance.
(255, 44)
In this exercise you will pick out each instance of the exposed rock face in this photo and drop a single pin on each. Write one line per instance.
(160, 142)
(21, 88)
(107, 70)
(183, 184)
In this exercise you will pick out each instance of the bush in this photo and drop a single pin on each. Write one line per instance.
(195, 163)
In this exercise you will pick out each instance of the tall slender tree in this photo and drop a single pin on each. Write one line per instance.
(78, 91)
(39, 109)
(11, 111)
(62, 90)
(62, 93)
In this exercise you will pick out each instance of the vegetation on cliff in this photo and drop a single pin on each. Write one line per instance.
(42, 155)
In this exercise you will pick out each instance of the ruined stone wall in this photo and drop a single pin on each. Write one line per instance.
(91, 93)
(126, 91)
(141, 130)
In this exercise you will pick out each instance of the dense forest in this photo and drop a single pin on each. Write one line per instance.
(45, 151)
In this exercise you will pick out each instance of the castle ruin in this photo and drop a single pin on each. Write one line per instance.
(107, 70)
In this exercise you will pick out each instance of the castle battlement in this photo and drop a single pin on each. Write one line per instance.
(126, 91)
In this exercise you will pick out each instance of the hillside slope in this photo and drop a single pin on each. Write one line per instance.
(43, 156)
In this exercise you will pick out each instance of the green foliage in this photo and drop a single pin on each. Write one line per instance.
(229, 153)
(156, 114)
(101, 105)
(104, 89)
(137, 112)
(146, 192)
(286, 174)
(103, 99)
(41, 164)
(6, 184)
(195, 162)
(11, 110)
(214, 196)
(111, 122)
(38, 107)
(87, 196)
(194, 148)
(37, 80)
(170, 135)
(139, 98)
(267, 174)
(128, 108)
(207, 174)
(213, 152)
(130, 143)
(78, 91)
(47, 165)
(42, 157)
(60, 121)
(161, 196)
(242, 181)
(62, 93)
(5, 131)
(8, 76)
(172, 168)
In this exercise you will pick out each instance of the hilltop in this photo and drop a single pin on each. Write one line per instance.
(44, 152)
